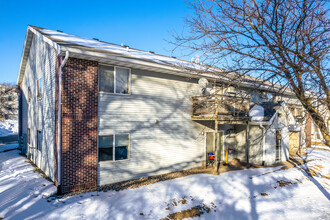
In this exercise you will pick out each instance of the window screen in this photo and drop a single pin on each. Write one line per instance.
(122, 80)
(39, 139)
(39, 88)
(122, 142)
(105, 148)
(106, 79)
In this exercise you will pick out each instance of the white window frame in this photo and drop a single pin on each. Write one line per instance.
(114, 148)
(115, 81)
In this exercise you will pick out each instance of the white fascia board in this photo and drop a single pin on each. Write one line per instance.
(30, 33)
(136, 62)
(45, 39)
(129, 61)
(23, 57)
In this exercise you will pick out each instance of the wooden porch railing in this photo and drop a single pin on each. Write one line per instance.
(221, 105)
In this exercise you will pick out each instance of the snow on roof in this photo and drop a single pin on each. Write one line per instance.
(61, 38)
(71, 41)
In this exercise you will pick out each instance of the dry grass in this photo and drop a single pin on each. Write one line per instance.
(264, 194)
(154, 179)
(37, 169)
(158, 178)
(283, 183)
(193, 212)
(131, 184)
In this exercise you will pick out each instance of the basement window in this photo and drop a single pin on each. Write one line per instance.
(113, 147)
(114, 79)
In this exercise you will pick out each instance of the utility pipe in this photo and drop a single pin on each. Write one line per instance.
(263, 143)
(59, 137)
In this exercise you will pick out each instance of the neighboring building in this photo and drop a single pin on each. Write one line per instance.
(316, 135)
(8, 101)
(94, 113)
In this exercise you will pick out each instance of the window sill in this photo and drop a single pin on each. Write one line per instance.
(110, 93)
(111, 161)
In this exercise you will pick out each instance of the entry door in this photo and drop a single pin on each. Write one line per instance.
(210, 145)
(221, 155)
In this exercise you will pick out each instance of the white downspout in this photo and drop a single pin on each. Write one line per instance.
(59, 147)
(263, 143)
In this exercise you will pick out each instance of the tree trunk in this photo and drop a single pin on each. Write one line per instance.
(319, 121)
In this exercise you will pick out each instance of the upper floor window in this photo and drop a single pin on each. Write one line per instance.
(10, 98)
(39, 88)
(114, 80)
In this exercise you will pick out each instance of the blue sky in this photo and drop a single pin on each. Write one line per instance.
(143, 24)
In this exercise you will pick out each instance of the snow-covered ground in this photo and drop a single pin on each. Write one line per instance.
(8, 127)
(265, 193)
(7, 147)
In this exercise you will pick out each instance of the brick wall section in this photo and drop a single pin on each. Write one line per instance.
(79, 125)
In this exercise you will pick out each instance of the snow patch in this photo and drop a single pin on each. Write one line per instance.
(8, 127)
(263, 193)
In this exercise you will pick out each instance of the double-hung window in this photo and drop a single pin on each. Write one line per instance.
(114, 79)
(113, 147)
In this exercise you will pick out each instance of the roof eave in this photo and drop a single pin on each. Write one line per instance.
(30, 33)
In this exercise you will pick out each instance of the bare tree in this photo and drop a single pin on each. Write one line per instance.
(6, 92)
(281, 41)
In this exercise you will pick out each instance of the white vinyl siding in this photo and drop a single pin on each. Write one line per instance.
(39, 113)
(163, 138)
